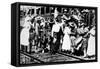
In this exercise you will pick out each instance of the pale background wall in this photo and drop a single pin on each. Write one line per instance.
(5, 36)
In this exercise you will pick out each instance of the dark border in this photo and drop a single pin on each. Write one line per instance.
(51, 5)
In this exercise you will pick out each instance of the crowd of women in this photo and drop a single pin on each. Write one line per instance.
(69, 33)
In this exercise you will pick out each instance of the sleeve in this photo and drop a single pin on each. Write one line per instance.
(52, 31)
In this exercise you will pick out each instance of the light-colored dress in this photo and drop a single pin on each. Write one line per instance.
(24, 36)
(66, 40)
(91, 43)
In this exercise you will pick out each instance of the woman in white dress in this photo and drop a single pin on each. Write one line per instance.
(24, 36)
(91, 43)
(66, 45)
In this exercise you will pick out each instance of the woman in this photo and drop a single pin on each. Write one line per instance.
(66, 45)
(24, 36)
(91, 43)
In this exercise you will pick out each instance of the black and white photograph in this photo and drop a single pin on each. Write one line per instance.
(52, 34)
(57, 34)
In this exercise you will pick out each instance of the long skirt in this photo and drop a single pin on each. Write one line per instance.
(66, 43)
(24, 37)
(91, 46)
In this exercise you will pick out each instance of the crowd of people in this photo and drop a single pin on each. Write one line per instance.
(72, 32)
